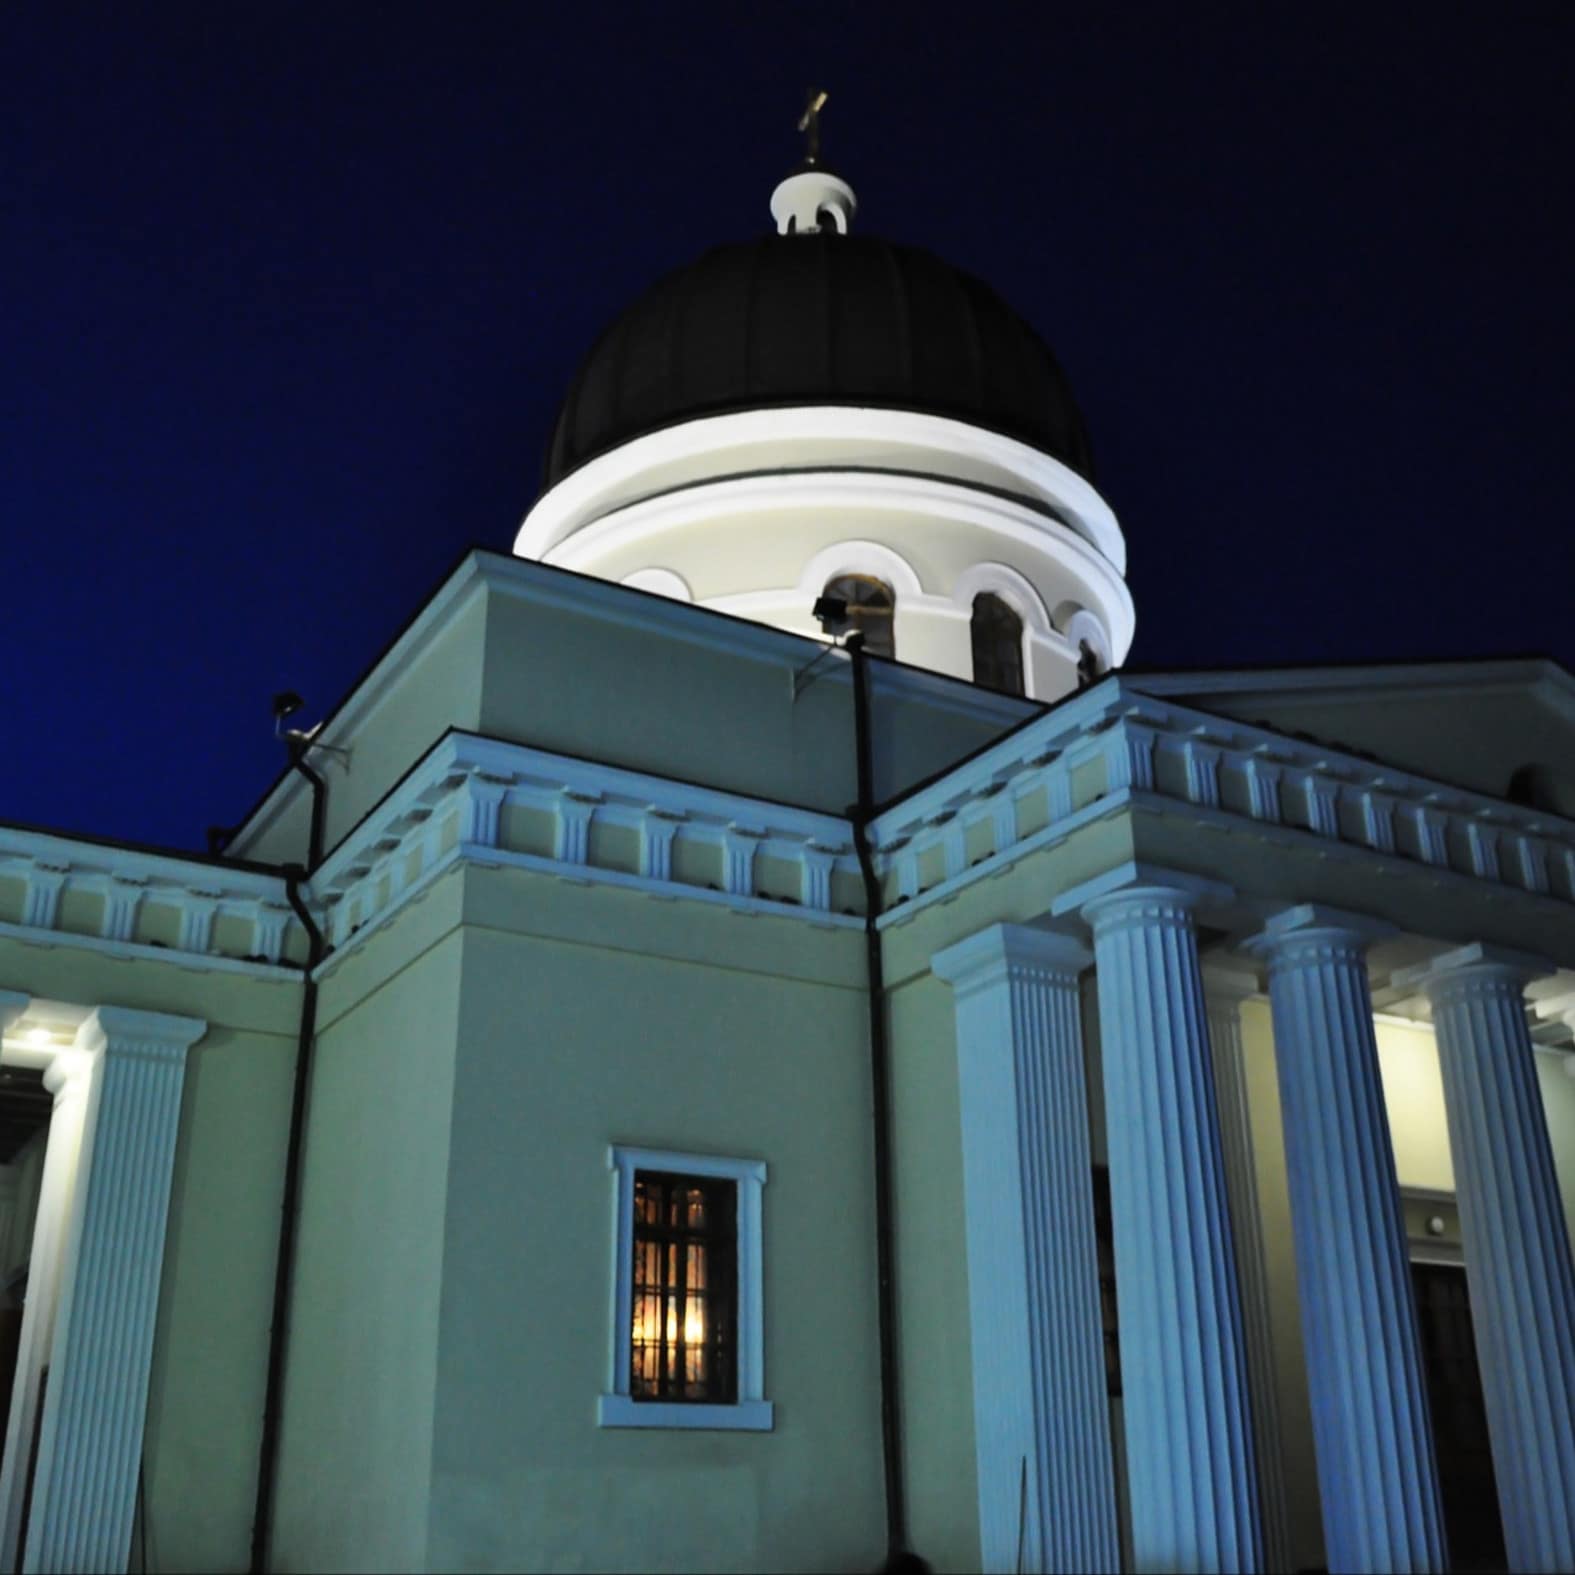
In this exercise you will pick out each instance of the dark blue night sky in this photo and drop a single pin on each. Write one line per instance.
(288, 294)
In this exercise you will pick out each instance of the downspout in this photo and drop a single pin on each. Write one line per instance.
(898, 1555)
(295, 876)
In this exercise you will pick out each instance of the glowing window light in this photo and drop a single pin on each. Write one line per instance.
(685, 1301)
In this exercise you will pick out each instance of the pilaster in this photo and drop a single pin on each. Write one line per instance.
(1517, 1247)
(1191, 1471)
(132, 1064)
(1376, 1471)
(1040, 1405)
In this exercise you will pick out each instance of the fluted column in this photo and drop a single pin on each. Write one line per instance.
(1376, 1471)
(1040, 1405)
(1190, 1459)
(1224, 991)
(132, 1065)
(1517, 1245)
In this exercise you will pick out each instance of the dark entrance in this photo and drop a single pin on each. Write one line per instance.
(1460, 1432)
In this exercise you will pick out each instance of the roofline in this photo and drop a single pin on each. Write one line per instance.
(708, 625)
(150, 849)
(1298, 675)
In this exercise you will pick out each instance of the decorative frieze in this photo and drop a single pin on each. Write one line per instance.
(1432, 834)
(815, 886)
(1284, 780)
(1203, 772)
(122, 896)
(1482, 842)
(484, 794)
(658, 828)
(572, 832)
(1318, 798)
(1378, 820)
(954, 846)
(739, 846)
(1003, 817)
(41, 902)
(1263, 787)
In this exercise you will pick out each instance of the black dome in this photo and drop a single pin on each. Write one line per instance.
(817, 319)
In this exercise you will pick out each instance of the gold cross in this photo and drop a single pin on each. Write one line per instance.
(809, 124)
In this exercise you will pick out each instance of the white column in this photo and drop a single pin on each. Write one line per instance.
(1376, 1472)
(130, 1066)
(1033, 1277)
(1225, 990)
(1191, 1473)
(67, 1079)
(1517, 1246)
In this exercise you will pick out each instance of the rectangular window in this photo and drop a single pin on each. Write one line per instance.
(688, 1338)
(682, 1342)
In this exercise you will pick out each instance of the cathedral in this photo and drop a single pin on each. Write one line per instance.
(750, 1040)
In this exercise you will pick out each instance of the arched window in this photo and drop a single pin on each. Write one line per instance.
(872, 609)
(1088, 664)
(997, 644)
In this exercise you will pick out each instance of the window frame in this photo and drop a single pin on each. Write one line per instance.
(751, 1411)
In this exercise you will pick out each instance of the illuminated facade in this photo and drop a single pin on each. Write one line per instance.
(1219, 1044)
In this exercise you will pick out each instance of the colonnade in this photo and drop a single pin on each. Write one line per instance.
(1191, 1447)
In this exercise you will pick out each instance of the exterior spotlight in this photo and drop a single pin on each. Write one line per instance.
(831, 612)
(285, 704)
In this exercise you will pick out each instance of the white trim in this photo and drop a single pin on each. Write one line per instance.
(855, 556)
(1014, 588)
(752, 1412)
(832, 492)
(694, 450)
(659, 582)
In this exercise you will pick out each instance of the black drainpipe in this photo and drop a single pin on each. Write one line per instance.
(273, 1395)
(898, 1555)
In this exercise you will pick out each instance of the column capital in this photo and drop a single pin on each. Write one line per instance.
(1477, 962)
(999, 948)
(1310, 924)
(1135, 883)
(12, 1004)
(127, 1030)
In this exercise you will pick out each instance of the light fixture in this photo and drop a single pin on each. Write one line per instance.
(38, 1038)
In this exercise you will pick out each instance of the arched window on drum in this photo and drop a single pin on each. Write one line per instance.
(997, 644)
(872, 609)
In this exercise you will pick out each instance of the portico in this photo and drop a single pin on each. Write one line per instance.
(1326, 905)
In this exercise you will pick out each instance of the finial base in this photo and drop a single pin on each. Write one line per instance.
(811, 200)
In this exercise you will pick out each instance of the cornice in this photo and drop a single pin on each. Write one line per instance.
(141, 897)
(1117, 746)
(490, 803)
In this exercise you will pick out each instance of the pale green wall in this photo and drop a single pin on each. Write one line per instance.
(744, 1046)
(358, 1402)
(210, 1361)
(1414, 1099)
(1558, 1099)
(420, 702)
(724, 718)
(933, 1324)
